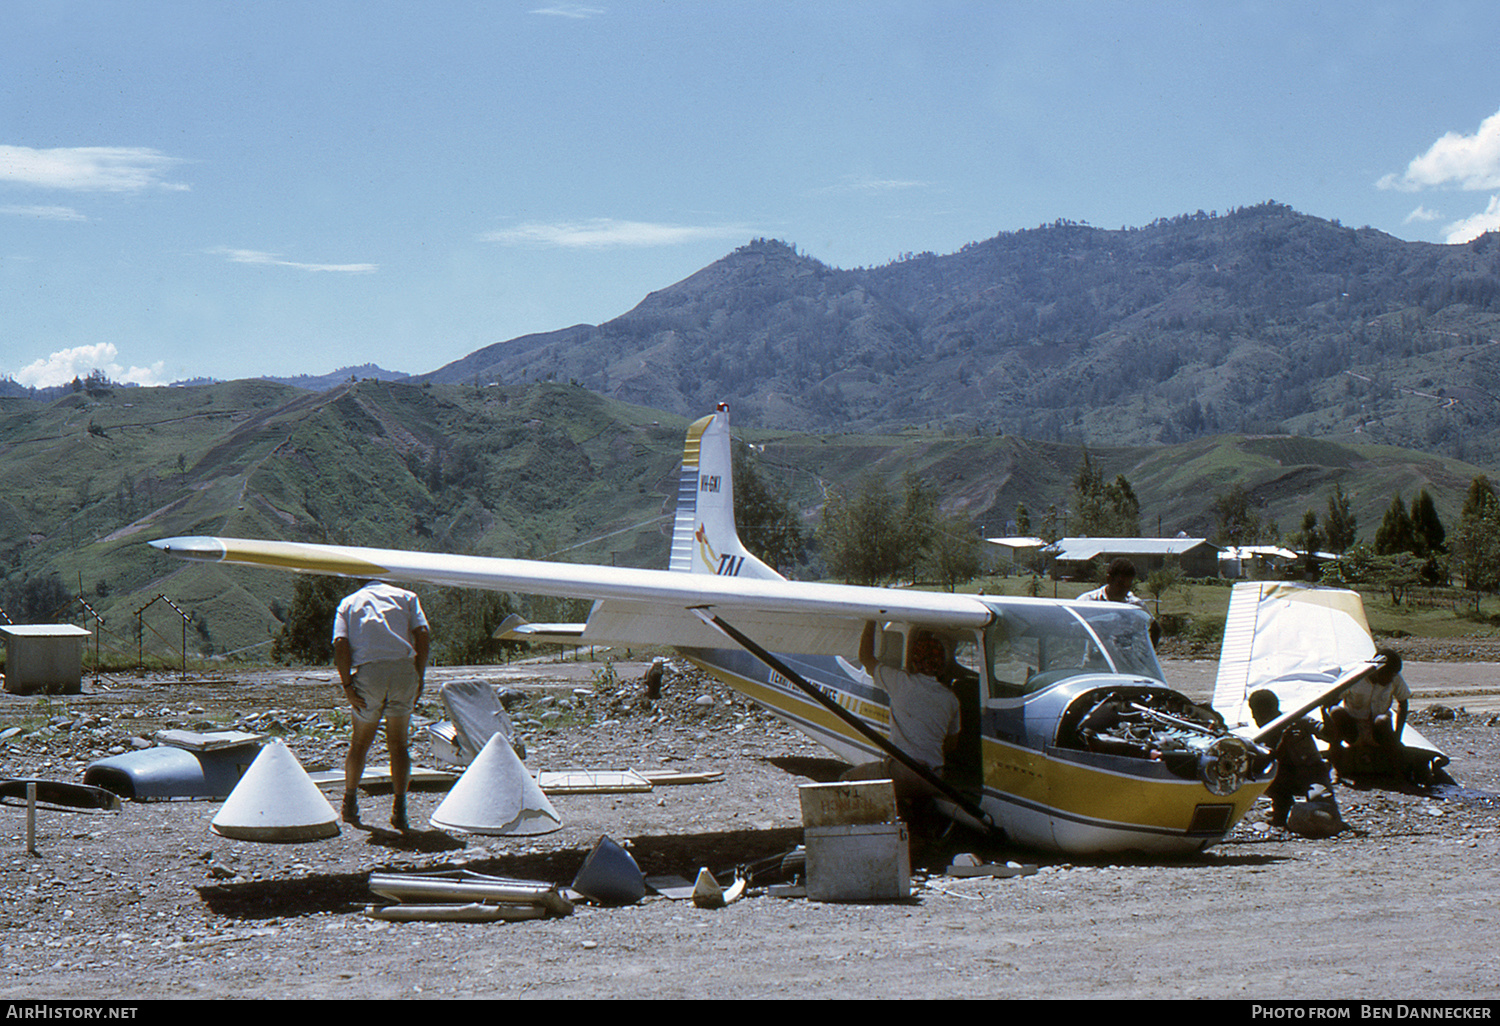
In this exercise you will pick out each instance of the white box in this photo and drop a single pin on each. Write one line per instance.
(858, 862)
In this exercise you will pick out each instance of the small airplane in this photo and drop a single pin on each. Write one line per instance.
(1069, 739)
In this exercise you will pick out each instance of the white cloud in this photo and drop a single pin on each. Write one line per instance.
(44, 213)
(255, 256)
(1422, 214)
(570, 11)
(608, 233)
(81, 361)
(871, 184)
(1475, 225)
(87, 168)
(1468, 161)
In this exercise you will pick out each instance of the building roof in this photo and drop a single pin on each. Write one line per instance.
(1247, 551)
(1018, 542)
(1079, 549)
(42, 630)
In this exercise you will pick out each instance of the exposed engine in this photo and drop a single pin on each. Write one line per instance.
(1190, 740)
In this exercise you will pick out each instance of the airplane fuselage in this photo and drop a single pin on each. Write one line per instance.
(1062, 755)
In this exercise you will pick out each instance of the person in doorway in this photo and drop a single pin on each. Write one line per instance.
(380, 644)
(923, 709)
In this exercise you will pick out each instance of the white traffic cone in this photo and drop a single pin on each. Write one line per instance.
(276, 801)
(496, 796)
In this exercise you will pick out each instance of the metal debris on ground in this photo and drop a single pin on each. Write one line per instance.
(464, 896)
(967, 864)
(707, 892)
(59, 795)
(592, 782)
(610, 876)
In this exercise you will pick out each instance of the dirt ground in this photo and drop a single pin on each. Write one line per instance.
(148, 903)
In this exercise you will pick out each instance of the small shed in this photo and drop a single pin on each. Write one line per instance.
(43, 658)
(1022, 550)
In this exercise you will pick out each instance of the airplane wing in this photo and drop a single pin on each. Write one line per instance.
(634, 606)
(1298, 637)
(1297, 641)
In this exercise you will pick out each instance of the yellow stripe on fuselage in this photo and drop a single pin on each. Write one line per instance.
(1099, 795)
(1051, 786)
(803, 709)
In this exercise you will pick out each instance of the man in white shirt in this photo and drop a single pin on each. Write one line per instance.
(380, 644)
(1119, 577)
(924, 711)
(1364, 714)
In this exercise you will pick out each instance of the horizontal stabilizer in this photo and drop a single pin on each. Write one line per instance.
(513, 628)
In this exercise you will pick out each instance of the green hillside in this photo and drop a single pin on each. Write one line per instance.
(544, 470)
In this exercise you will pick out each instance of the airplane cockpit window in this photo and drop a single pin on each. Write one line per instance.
(1031, 648)
(967, 660)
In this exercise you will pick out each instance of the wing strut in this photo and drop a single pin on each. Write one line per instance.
(1267, 734)
(969, 806)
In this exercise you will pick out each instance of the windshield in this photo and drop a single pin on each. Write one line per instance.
(1034, 646)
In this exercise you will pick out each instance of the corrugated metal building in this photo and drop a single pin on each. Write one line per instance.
(1192, 557)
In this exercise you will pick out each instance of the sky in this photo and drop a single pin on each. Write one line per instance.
(201, 188)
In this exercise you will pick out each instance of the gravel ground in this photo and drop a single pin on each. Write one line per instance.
(149, 903)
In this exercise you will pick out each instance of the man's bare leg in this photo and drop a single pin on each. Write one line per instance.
(360, 740)
(396, 730)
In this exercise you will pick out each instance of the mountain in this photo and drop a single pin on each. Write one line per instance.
(544, 470)
(344, 375)
(1262, 320)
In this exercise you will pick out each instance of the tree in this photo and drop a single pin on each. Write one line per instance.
(1159, 582)
(917, 524)
(1310, 538)
(1339, 522)
(1236, 520)
(1308, 541)
(1104, 510)
(1023, 520)
(768, 525)
(39, 598)
(859, 533)
(1050, 532)
(1475, 545)
(955, 554)
(1429, 540)
(306, 635)
(1427, 530)
(1395, 533)
(868, 539)
(468, 620)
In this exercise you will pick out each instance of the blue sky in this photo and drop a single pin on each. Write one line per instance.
(206, 188)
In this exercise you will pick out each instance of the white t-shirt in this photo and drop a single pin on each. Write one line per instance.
(1098, 595)
(378, 621)
(1367, 699)
(923, 713)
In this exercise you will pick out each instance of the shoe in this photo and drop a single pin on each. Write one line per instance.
(351, 807)
(398, 814)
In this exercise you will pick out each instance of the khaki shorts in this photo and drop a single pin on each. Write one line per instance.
(388, 688)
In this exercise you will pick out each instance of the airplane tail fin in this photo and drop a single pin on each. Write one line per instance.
(705, 539)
